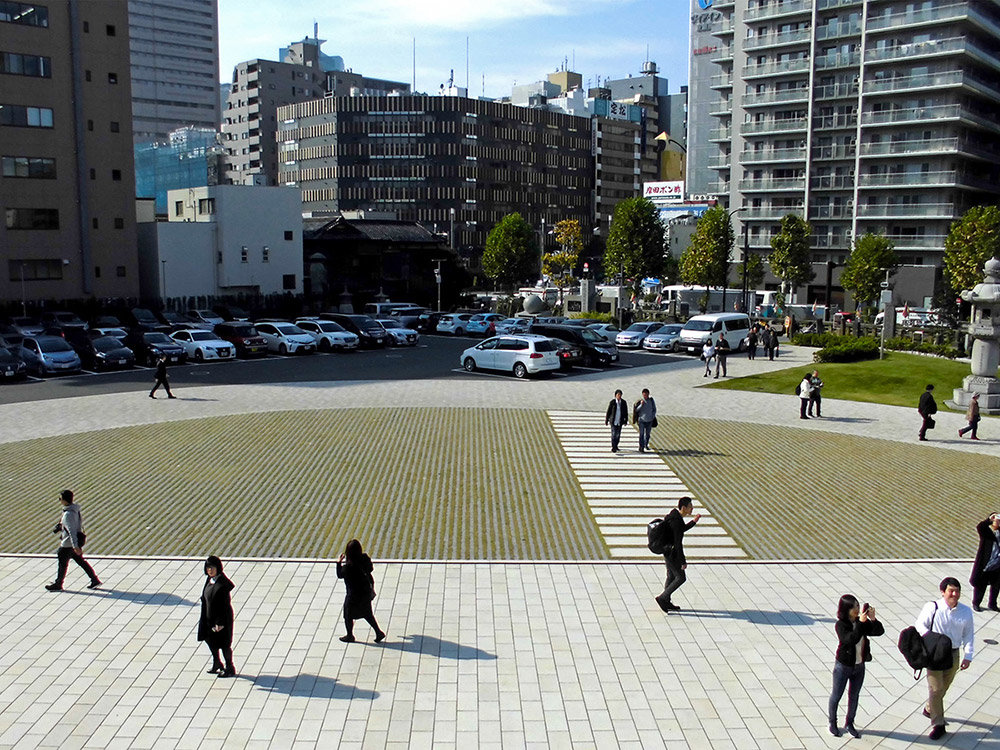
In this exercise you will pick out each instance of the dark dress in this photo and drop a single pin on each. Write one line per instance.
(216, 609)
(360, 585)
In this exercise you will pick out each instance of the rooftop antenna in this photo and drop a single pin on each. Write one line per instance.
(466, 65)
(316, 31)
(484, 85)
(414, 89)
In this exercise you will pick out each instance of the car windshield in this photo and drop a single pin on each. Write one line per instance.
(66, 317)
(244, 331)
(290, 330)
(391, 324)
(6, 356)
(107, 344)
(202, 335)
(331, 328)
(670, 329)
(157, 338)
(25, 322)
(589, 335)
(54, 344)
(637, 328)
(142, 314)
(116, 332)
(699, 325)
(205, 314)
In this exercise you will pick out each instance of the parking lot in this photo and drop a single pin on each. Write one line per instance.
(434, 357)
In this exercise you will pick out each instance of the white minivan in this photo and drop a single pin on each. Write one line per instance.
(735, 327)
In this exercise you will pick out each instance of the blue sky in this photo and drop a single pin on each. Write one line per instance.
(509, 40)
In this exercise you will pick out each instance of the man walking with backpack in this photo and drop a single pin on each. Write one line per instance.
(672, 540)
(947, 617)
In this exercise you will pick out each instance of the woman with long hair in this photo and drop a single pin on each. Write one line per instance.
(355, 568)
(216, 624)
(855, 624)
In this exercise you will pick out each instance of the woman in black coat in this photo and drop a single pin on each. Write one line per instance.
(216, 624)
(854, 626)
(986, 568)
(357, 575)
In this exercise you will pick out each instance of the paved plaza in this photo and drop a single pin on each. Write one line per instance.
(528, 645)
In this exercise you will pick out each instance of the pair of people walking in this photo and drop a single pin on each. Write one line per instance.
(810, 396)
(643, 415)
(717, 351)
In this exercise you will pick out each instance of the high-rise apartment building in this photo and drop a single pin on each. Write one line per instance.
(175, 66)
(860, 115)
(66, 184)
(259, 87)
(445, 161)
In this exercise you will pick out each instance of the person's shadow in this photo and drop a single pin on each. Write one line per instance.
(155, 598)
(432, 646)
(758, 616)
(309, 686)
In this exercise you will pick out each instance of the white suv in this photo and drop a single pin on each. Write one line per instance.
(522, 354)
(286, 338)
(328, 335)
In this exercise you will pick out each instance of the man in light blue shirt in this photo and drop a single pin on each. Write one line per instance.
(948, 617)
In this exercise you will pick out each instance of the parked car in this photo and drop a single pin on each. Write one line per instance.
(428, 320)
(479, 324)
(10, 336)
(399, 335)
(27, 326)
(513, 325)
(594, 350)
(106, 321)
(409, 316)
(329, 336)
(454, 323)
(633, 336)
(369, 332)
(523, 355)
(48, 355)
(666, 339)
(606, 330)
(173, 318)
(105, 353)
(118, 333)
(200, 345)
(144, 320)
(207, 319)
(231, 312)
(286, 338)
(244, 337)
(701, 328)
(583, 322)
(64, 320)
(12, 367)
(149, 345)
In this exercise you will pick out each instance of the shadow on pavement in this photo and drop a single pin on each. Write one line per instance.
(758, 617)
(428, 644)
(157, 598)
(860, 420)
(688, 452)
(309, 686)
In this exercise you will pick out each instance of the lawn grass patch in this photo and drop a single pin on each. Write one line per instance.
(897, 380)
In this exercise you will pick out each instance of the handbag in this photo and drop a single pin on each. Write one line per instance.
(931, 424)
(655, 423)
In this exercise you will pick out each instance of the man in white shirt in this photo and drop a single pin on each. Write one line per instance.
(948, 617)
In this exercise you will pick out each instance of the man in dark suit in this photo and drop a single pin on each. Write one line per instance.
(617, 417)
(927, 408)
(673, 553)
(161, 377)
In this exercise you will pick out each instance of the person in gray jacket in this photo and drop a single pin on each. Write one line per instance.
(644, 416)
(71, 542)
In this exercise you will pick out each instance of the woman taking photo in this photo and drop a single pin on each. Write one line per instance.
(216, 624)
(357, 574)
(855, 624)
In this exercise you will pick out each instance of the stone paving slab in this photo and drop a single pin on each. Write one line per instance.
(478, 655)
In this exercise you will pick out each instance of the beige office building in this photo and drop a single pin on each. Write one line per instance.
(67, 189)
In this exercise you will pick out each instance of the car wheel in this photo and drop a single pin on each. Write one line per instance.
(199, 355)
(674, 348)
(459, 331)
(282, 349)
(589, 360)
(469, 364)
(742, 346)
(324, 345)
(520, 371)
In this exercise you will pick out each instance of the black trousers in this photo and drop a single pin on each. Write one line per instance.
(616, 434)
(675, 577)
(991, 580)
(815, 399)
(65, 555)
(165, 383)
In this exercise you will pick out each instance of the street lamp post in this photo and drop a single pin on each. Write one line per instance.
(437, 278)
(746, 256)
(163, 279)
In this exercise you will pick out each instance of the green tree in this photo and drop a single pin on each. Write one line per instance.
(511, 254)
(973, 240)
(754, 267)
(790, 259)
(635, 241)
(865, 268)
(560, 265)
(706, 261)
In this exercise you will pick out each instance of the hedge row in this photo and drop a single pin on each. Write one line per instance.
(850, 349)
(844, 343)
(909, 345)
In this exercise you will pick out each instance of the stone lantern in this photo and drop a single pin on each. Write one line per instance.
(985, 330)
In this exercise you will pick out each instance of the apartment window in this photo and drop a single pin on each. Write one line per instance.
(119, 222)
(110, 29)
(115, 127)
(206, 206)
(266, 255)
(289, 234)
(116, 175)
(35, 270)
(32, 218)
(178, 208)
(120, 272)
(288, 282)
(38, 167)
(244, 255)
(25, 65)
(25, 14)
(112, 78)
(18, 116)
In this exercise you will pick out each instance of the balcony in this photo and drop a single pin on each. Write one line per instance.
(781, 39)
(911, 50)
(773, 155)
(934, 113)
(940, 14)
(773, 184)
(838, 30)
(720, 162)
(830, 4)
(722, 81)
(772, 213)
(723, 54)
(839, 151)
(773, 126)
(908, 83)
(832, 182)
(720, 134)
(722, 108)
(923, 242)
(908, 211)
(908, 179)
(910, 148)
(822, 241)
(836, 91)
(776, 9)
(838, 60)
(725, 29)
(836, 211)
(776, 97)
(836, 122)
(717, 188)
(775, 68)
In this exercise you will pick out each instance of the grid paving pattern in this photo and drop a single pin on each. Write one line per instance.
(626, 489)
(419, 483)
(478, 656)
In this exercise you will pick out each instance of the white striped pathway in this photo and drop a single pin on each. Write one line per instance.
(627, 489)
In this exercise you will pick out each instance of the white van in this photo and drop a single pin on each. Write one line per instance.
(735, 327)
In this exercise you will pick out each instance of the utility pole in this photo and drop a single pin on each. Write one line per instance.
(887, 308)
(746, 255)
(437, 277)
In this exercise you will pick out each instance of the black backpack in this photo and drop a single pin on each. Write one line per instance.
(798, 389)
(931, 651)
(658, 536)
